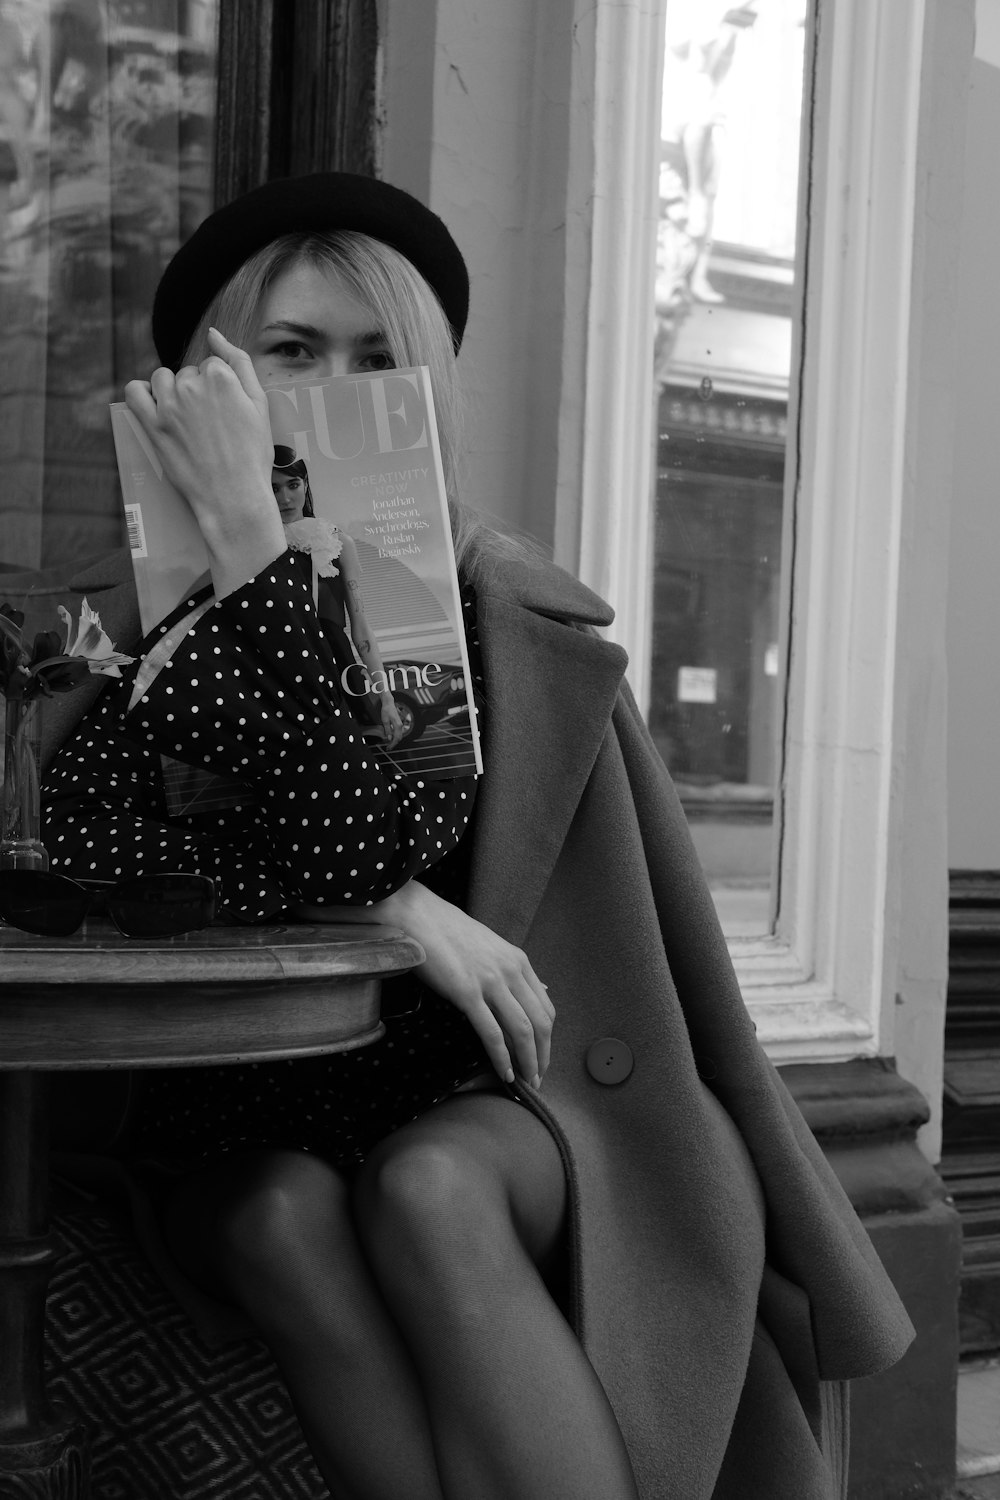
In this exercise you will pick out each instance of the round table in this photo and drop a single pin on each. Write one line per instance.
(98, 1000)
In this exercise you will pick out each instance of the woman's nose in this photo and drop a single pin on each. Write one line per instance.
(336, 362)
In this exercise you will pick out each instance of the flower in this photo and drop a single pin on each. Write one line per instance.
(54, 664)
(92, 642)
(322, 539)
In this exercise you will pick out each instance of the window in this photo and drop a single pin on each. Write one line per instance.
(122, 123)
(821, 983)
(109, 147)
(726, 303)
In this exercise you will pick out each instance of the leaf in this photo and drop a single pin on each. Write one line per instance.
(10, 624)
(60, 674)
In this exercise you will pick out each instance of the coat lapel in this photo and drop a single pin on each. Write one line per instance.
(550, 689)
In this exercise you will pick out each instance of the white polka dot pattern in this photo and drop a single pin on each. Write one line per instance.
(230, 701)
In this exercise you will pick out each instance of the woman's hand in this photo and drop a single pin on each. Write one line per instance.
(489, 980)
(392, 724)
(209, 425)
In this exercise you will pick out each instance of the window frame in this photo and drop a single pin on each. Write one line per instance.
(820, 987)
(297, 91)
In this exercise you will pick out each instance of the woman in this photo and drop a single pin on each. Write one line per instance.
(290, 486)
(474, 1282)
(337, 589)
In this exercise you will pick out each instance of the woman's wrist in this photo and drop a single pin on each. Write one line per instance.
(399, 908)
(236, 557)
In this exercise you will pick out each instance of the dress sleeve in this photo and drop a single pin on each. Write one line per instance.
(105, 818)
(251, 691)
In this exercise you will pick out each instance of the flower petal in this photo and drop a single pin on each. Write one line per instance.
(91, 639)
(67, 620)
(107, 666)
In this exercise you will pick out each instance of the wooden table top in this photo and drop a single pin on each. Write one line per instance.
(224, 994)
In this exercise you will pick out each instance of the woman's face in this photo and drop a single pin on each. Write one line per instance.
(290, 493)
(309, 325)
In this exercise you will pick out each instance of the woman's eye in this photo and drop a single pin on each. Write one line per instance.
(292, 350)
(379, 359)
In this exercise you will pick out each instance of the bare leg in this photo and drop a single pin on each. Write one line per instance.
(458, 1213)
(272, 1232)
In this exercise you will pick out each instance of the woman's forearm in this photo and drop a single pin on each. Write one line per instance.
(401, 909)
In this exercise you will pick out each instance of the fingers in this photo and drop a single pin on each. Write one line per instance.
(541, 1014)
(156, 397)
(139, 400)
(392, 724)
(521, 1009)
(491, 1034)
(238, 361)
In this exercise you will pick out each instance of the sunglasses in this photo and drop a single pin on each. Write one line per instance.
(144, 906)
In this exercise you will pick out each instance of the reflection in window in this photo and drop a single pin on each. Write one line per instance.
(106, 131)
(729, 149)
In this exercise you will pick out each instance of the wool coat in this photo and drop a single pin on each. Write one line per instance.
(720, 1281)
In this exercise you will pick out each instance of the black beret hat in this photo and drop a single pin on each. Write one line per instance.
(324, 201)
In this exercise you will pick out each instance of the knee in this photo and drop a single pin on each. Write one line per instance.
(421, 1205)
(284, 1209)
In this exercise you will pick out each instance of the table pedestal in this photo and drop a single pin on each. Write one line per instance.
(43, 1452)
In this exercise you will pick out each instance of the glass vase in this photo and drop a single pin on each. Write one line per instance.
(21, 847)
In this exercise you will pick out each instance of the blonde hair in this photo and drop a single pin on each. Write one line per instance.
(404, 309)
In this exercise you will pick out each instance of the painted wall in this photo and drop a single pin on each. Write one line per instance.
(973, 631)
(476, 121)
(919, 881)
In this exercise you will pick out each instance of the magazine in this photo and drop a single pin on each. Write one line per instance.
(365, 451)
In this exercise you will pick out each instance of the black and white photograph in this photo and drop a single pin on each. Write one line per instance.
(499, 690)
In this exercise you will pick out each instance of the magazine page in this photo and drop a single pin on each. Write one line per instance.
(365, 451)
(368, 445)
(168, 554)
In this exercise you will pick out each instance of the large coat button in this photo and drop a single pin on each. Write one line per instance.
(609, 1060)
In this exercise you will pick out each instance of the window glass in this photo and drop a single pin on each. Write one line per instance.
(106, 147)
(725, 296)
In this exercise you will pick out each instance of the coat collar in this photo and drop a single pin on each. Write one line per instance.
(550, 689)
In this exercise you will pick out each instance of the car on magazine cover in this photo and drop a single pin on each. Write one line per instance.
(426, 693)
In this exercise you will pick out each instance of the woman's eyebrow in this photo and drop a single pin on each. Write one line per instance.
(307, 331)
(304, 330)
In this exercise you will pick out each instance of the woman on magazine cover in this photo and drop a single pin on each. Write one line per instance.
(337, 590)
(569, 1240)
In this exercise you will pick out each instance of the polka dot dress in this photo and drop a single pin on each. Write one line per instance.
(251, 693)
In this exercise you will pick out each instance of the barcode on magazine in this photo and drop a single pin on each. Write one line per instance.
(136, 535)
